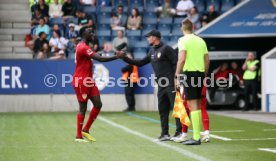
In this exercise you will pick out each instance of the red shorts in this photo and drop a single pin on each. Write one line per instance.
(84, 93)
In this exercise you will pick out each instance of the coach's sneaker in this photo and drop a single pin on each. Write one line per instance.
(88, 136)
(81, 140)
(181, 139)
(192, 142)
(164, 138)
(205, 138)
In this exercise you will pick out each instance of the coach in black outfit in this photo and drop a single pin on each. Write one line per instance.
(163, 60)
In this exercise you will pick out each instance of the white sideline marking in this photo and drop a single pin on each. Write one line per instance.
(254, 139)
(220, 137)
(225, 131)
(174, 148)
(268, 150)
(269, 129)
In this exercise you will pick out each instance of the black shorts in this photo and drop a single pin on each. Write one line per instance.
(193, 84)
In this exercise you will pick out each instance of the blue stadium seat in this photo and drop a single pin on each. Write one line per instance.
(166, 21)
(149, 26)
(133, 32)
(71, 20)
(122, 2)
(145, 31)
(105, 9)
(104, 21)
(133, 38)
(150, 21)
(177, 32)
(164, 27)
(175, 38)
(226, 5)
(237, 1)
(103, 26)
(136, 2)
(103, 39)
(103, 32)
(139, 53)
(178, 20)
(216, 3)
(89, 9)
(151, 3)
(58, 21)
(165, 38)
(103, 15)
(172, 43)
(149, 15)
(200, 4)
(141, 44)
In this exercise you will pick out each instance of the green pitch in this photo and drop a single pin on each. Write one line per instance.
(127, 137)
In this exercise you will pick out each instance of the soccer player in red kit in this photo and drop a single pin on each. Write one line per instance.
(205, 119)
(84, 84)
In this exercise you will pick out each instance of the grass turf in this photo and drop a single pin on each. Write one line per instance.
(50, 136)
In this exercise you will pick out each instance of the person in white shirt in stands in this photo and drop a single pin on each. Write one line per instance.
(58, 43)
(55, 9)
(183, 8)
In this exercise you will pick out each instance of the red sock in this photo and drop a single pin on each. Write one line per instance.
(205, 117)
(92, 117)
(80, 119)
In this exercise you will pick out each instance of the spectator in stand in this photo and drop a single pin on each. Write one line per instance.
(183, 8)
(41, 46)
(53, 1)
(119, 40)
(72, 33)
(94, 44)
(166, 10)
(193, 16)
(221, 72)
(204, 23)
(211, 14)
(36, 16)
(84, 21)
(107, 49)
(237, 72)
(134, 20)
(55, 9)
(42, 27)
(44, 8)
(88, 2)
(68, 9)
(56, 27)
(58, 43)
(121, 15)
(115, 22)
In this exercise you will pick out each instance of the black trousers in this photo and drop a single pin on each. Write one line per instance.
(130, 99)
(165, 104)
(250, 88)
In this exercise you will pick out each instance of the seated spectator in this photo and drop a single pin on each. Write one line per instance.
(72, 33)
(88, 2)
(41, 46)
(58, 43)
(134, 20)
(204, 23)
(42, 27)
(53, 1)
(59, 56)
(119, 40)
(68, 9)
(56, 27)
(121, 15)
(44, 8)
(211, 14)
(55, 9)
(107, 49)
(183, 8)
(36, 16)
(166, 10)
(237, 72)
(115, 22)
(84, 21)
(221, 72)
(193, 16)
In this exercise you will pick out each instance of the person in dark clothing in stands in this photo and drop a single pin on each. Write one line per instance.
(163, 60)
(69, 9)
(210, 15)
(130, 76)
(41, 46)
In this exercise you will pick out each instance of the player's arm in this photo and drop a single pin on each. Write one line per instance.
(180, 62)
(103, 58)
(206, 63)
(138, 62)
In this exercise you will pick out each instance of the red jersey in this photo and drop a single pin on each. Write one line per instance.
(83, 62)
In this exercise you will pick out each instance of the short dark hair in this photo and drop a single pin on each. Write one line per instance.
(187, 25)
(57, 32)
(84, 30)
(41, 33)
